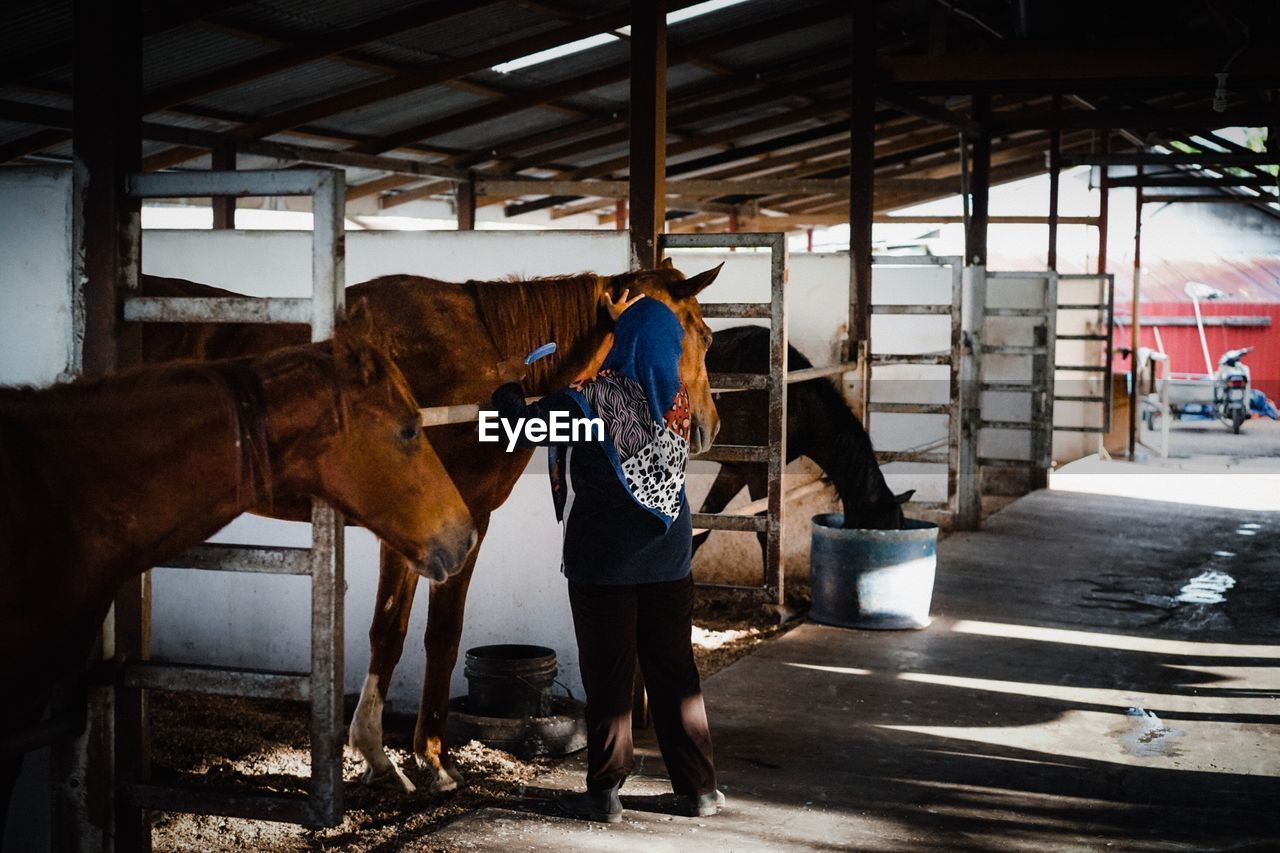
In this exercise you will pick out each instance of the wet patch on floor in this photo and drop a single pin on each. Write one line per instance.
(1145, 735)
(1196, 604)
(1208, 587)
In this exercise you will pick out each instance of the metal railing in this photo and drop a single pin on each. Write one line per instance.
(951, 357)
(773, 453)
(322, 685)
(1105, 309)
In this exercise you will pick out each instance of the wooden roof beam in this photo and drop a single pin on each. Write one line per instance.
(1141, 119)
(677, 55)
(677, 109)
(1136, 67)
(411, 81)
(327, 45)
(58, 55)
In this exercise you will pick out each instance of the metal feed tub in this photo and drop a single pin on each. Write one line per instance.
(872, 578)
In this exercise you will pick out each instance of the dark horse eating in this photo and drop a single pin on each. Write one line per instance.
(101, 480)
(820, 426)
(451, 340)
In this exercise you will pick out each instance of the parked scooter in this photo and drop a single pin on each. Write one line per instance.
(1231, 388)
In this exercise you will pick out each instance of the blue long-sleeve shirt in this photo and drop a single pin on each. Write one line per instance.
(608, 537)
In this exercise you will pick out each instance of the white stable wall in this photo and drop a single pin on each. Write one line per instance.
(35, 349)
(35, 278)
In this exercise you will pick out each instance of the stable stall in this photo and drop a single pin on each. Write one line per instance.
(617, 134)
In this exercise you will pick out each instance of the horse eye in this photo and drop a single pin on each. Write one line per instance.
(410, 432)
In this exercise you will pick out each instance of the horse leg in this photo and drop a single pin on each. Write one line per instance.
(444, 634)
(396, 584)
(729, 481)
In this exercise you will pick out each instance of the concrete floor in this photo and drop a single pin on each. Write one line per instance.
(1258, 438)
(1064, 698)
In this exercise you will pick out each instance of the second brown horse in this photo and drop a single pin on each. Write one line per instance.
(450, 339)
(102, 480)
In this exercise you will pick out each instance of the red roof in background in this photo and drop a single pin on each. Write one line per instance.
(1244, 280)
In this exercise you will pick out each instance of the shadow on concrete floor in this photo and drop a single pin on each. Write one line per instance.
(1069, 696)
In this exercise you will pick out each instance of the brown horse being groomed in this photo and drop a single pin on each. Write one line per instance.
(449, 339)
(101, 480)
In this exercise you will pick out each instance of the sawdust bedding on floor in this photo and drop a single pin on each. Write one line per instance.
(241, 743)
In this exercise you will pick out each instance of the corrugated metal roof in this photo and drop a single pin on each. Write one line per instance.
(483, 136)
(1242, 279)
(316, 16)
(813, 40)
(30, 25)
(579, 65)
(289, 88)
(462, 35)
(395, 113)
(237, 32)
(190, 52)
(12, 130)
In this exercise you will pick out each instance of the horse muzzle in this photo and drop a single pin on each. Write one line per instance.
(446, 558)
(702, 436)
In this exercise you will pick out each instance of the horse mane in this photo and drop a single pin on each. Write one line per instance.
(522, 314)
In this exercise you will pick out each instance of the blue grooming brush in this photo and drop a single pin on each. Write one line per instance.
(541, 352)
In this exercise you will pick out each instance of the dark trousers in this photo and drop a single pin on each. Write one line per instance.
(615, 625)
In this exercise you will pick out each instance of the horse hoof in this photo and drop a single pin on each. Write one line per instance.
(442, 783)
(442, 780)
(392, 779)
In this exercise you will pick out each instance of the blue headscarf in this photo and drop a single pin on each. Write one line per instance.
(646, 349)
(639, 397)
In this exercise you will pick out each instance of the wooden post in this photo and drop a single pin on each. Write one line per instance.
(91, 811)
(1055, 168)
(648, 156)
(979, 185)
(1135, 319)
(862, 142)
(106, 149)
(647, 170)
(1104, 201)
(224, 207)
(465, 200)
(620, 214)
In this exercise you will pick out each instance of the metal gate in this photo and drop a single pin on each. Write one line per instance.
(1086, 322)
(773, 453)
(1012, 357)
(322, 685)
(944, 451)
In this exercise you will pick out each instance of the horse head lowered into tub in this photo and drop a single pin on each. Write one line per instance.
(819, 426)
(101, 480)
(452, 340)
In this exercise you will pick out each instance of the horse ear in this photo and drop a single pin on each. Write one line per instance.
(691, 287)
(666, 264)
(353, 349)
(904, 497)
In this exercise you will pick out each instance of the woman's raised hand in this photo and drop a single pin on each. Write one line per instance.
(615, 307)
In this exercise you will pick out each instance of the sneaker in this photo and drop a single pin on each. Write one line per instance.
(703, 805)
(600, 806)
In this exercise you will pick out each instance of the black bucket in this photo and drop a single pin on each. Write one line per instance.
(510, 680)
